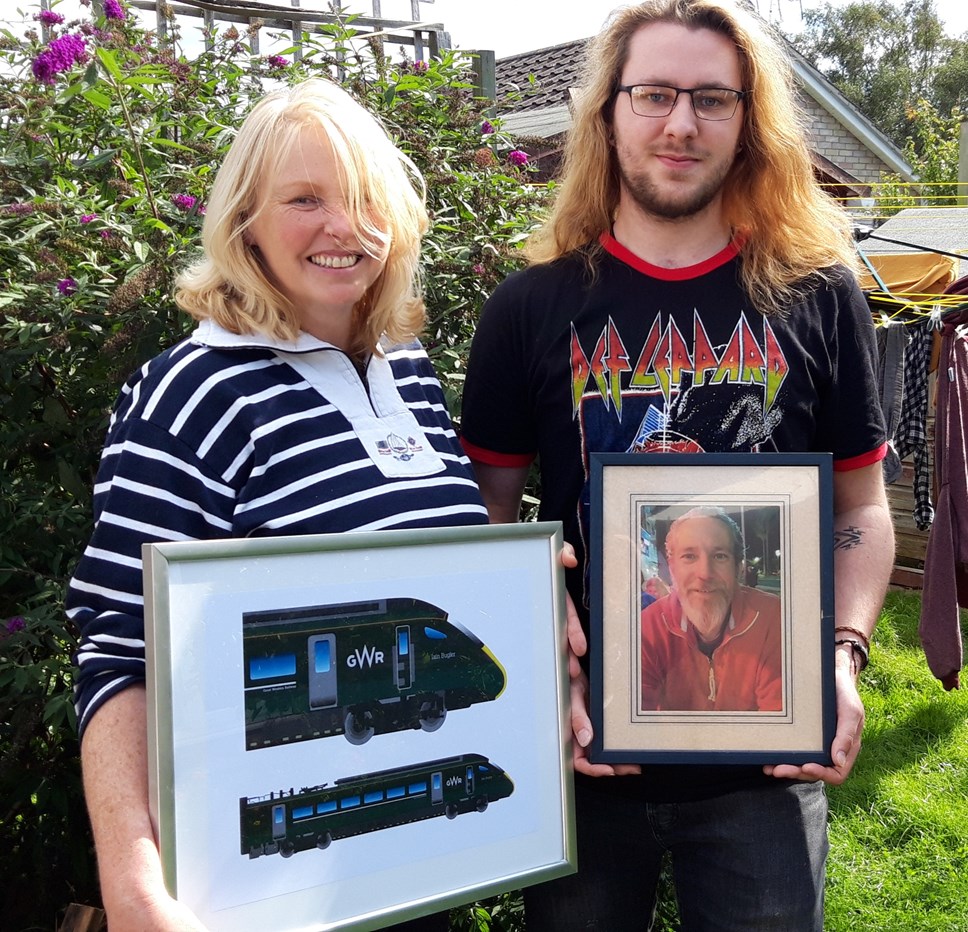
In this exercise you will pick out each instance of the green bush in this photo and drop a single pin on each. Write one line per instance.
(108, 143)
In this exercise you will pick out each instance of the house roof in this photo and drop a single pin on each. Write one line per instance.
(845, 113)
(557, 69)
(543, 107)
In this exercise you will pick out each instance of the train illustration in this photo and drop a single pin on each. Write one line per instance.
(290, 821)
(359, 669)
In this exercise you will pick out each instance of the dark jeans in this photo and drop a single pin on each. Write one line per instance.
(749, 861)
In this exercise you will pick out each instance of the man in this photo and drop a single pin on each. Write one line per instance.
(710, 645)
(691, 290)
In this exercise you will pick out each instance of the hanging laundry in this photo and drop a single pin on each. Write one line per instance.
(946, 558)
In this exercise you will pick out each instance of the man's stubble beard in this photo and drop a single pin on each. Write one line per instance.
(649, 198)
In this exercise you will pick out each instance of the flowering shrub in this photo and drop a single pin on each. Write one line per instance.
(108, 144)
(49, 18)
(113, 10)
(183, 201)
(62, 54)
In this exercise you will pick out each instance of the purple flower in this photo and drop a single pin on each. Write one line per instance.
(16, 624)
(87, 218)
(277, 61)
(478, 269)
(67, 286)
(487, 128)
(19, 209)
(419, 67)
(60, 55)
(113, 10)
(183, 201)
(49, 17)
(105, 234)
(517, 157)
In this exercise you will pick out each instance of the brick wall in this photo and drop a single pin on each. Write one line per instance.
(833, 141)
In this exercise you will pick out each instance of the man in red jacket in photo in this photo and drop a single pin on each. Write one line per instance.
(710, 644)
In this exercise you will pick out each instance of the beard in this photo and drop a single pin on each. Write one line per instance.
(673, 205)
(707, 615)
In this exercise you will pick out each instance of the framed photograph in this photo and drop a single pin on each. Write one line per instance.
(712, 608)
(351, 730)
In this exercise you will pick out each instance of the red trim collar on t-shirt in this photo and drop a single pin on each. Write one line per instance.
(615, 248)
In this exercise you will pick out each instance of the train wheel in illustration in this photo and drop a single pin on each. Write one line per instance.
(323, 840)
(481, 803)
(287, 849)
(432, 713)
(451, 811)
(358, 726)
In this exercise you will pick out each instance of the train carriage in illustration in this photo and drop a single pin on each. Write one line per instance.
(359, 669)
(313, 817)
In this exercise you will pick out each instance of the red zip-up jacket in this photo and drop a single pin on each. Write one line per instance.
(744, 673)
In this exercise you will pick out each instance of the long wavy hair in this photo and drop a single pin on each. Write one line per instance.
(789, 228)
(384, 195)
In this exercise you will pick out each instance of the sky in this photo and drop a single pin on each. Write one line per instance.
(511, 26)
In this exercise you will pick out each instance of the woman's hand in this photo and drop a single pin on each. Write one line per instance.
(153, 912)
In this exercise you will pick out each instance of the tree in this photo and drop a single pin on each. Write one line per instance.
(885, 58)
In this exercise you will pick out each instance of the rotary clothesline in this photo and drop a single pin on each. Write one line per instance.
(908, 307)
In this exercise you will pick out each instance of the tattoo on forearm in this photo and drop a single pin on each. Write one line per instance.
(848, 538)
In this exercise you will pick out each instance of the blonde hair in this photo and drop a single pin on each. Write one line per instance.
(789, 228)
(384, 195)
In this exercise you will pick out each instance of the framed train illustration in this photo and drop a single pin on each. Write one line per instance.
(348, 731)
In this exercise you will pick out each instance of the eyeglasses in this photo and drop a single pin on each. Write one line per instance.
(658, 100)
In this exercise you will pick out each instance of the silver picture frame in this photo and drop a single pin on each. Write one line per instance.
(314, 702)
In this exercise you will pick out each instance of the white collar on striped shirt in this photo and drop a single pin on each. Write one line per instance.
(209, 333)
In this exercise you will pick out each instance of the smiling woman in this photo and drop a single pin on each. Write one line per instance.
(302, 404)
(329, 190)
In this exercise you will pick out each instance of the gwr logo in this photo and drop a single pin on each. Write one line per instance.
(365, 657)
(454, 781)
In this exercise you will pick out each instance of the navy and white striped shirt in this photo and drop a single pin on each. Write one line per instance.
(226, 436)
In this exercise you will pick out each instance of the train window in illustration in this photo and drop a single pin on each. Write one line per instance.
(359, 669)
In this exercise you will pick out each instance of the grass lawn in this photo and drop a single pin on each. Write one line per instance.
(899, 825)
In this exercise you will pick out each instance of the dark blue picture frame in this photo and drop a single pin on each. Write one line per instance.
(627, 492)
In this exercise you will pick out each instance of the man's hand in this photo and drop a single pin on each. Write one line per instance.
(581, 724)
(581, 727)
(846, 744)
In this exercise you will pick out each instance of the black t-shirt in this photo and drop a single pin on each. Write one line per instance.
(638, 358)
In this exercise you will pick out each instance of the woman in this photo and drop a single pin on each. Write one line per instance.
(301, 404)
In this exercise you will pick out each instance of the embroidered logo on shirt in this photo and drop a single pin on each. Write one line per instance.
(398, 447)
